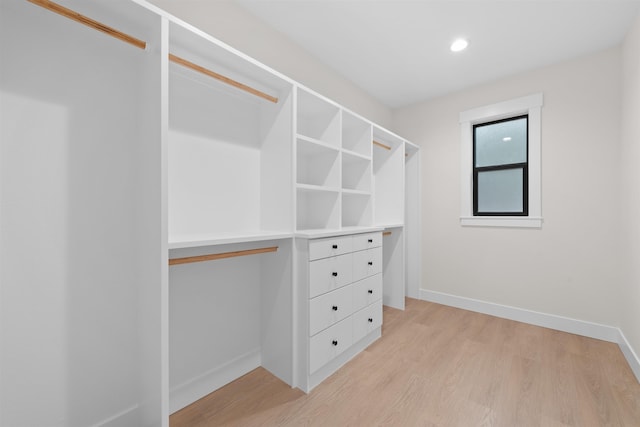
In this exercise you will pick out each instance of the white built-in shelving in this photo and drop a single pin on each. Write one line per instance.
(158, 144)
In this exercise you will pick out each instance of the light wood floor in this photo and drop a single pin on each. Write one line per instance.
(441, 366)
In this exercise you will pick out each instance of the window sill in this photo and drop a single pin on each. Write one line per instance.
(501, 221)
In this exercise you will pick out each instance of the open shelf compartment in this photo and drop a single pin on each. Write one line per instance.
(230, 156)
(317, 118)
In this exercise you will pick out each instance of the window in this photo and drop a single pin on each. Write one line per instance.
(500, 164)
(500, 167)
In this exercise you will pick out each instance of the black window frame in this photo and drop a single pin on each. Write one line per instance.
(524, 166)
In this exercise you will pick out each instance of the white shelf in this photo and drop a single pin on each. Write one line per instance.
(200, 240)
(317, 188)
(349, 192)
(356, 173)
(317, 163)
(353, 154)
(318, 233)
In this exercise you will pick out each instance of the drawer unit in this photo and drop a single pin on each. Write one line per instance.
(367, 241)
(367, 263)
(330, 273)
(332, 246)
(366, 320)
(330, 343)
(344, 291)
(327, 309)
(367, 291)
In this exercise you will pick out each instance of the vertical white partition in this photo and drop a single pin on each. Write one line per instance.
(412, 220)
(81, 241)
(393, 270)
(230, 188)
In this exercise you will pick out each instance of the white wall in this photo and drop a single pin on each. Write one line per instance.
(630, 153)
(571, 266)
(238, 28)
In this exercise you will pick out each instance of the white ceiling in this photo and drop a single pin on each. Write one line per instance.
(398, 51)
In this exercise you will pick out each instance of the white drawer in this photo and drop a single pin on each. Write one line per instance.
(329, 343)
(367, 241)
(367, 263)
(327, 309)
(329, 273)
(367, 291)
(332, 246)
(366, 320)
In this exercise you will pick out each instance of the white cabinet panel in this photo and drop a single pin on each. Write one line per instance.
(324, 248)
(366, 320)
(327, 309)
(367, 241)
(329, 343)
(367, 263)
(330, 273)
(366, 291)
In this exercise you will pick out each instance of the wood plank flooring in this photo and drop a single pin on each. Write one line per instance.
(441, 366)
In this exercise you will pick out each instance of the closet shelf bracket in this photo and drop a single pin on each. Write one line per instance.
(211, 257)
(75, 16)
(224, 79)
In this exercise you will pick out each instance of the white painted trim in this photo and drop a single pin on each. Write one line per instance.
(188, 392)
(530, 105)
(552, 321)
(503, 109)
(629, 354)
(502, 221)
(125, 418)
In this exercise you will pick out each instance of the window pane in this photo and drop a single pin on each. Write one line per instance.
(501, 143)
(500, 191)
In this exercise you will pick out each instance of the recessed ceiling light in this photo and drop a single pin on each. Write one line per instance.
(506, 139)
(458, 45)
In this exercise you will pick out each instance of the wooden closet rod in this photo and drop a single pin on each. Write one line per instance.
(380, 144)
(211, 257)
(225, 79)
(386, 233)
(68, 13)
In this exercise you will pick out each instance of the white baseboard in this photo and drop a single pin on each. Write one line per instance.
(552, 321)
(560, 323)
(630, 355)
(198, 387)
(125, 418)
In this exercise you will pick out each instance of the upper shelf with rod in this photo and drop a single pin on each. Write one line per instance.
(220, 67)
(126, 21)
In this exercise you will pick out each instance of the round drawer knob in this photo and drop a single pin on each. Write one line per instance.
(370, 262)
(370, 320)
(334, 246)
(370, 291)
(334, 274)
(370, 240)
(334, 342)
(334, 308)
